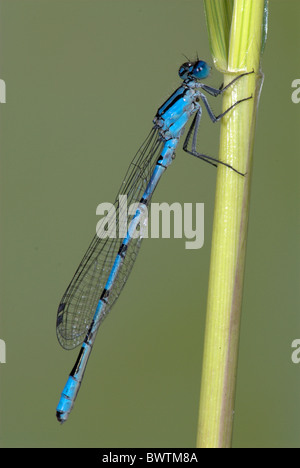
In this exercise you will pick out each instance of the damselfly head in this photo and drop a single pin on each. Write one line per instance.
(194, 70)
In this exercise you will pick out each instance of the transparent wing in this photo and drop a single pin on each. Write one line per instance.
(78, 304)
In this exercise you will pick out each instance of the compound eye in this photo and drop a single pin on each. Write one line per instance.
(185, 69)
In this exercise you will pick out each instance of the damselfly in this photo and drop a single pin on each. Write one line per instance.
(108, 261)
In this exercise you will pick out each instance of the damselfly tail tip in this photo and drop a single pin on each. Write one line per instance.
(59, 417)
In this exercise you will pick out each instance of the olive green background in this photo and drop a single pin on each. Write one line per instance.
(84, 80)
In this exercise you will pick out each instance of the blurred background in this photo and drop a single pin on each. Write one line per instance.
(83, 82)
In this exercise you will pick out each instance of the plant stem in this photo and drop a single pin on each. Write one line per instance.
(230, 228)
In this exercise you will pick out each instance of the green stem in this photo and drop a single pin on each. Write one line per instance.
(230, 225)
